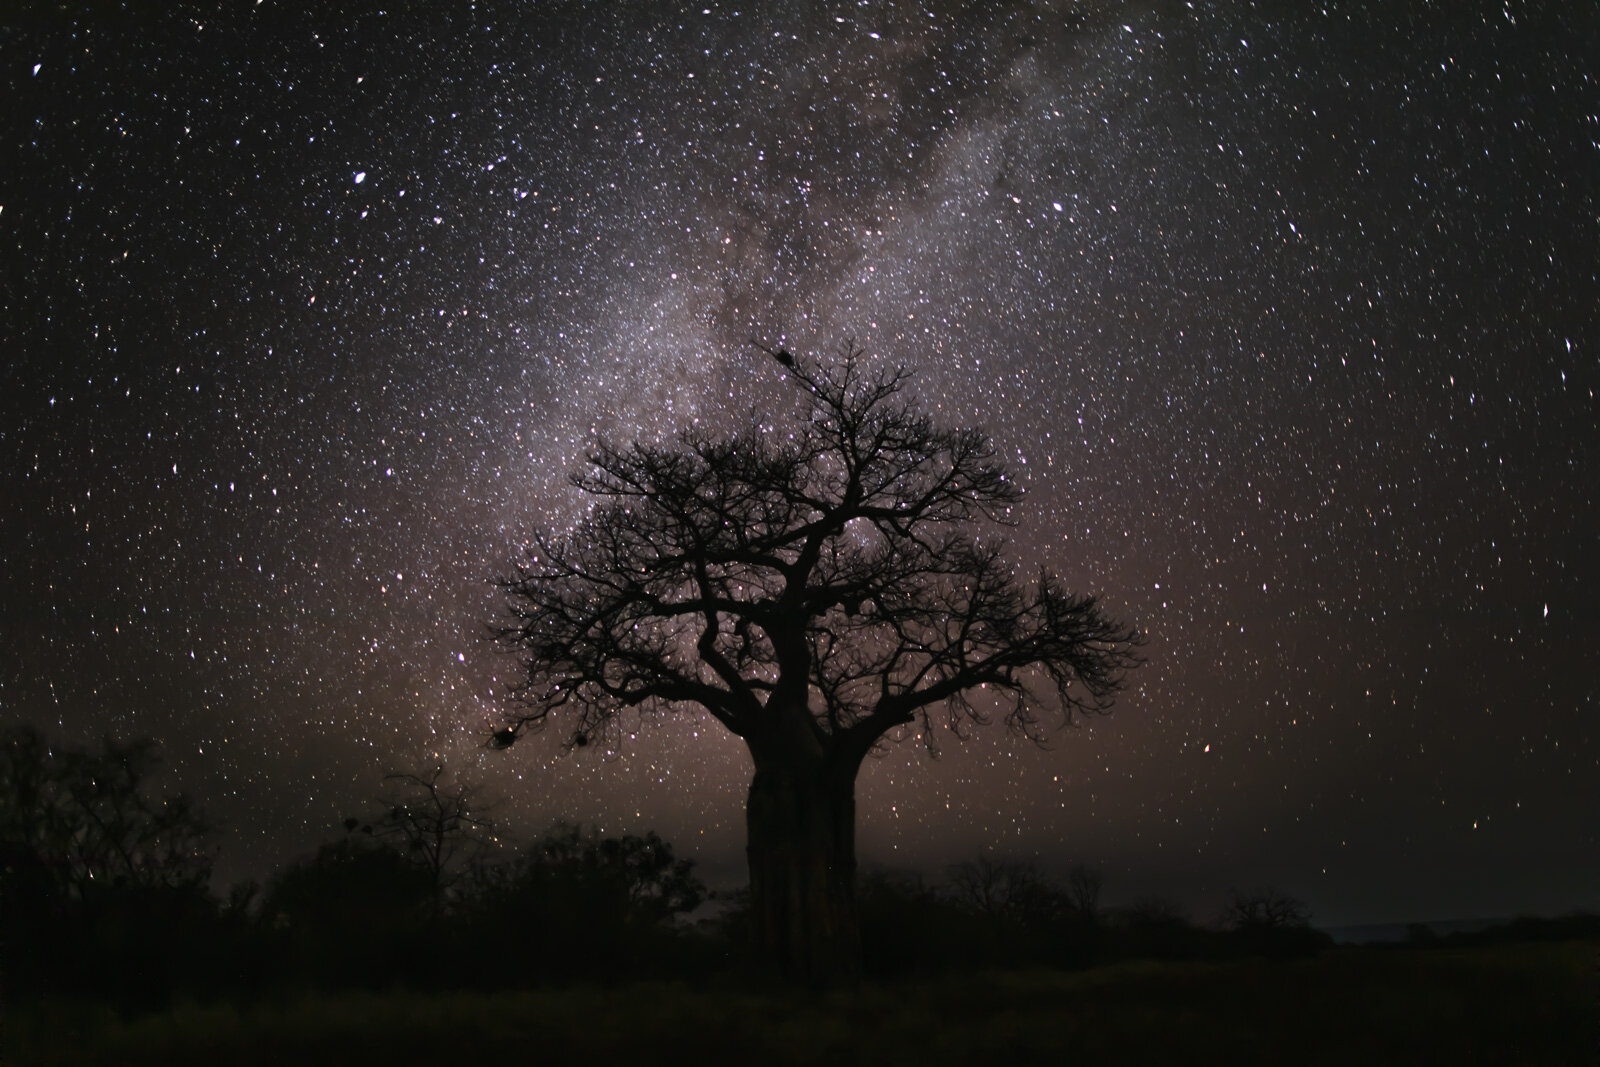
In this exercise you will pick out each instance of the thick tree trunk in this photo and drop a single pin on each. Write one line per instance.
(801, 823)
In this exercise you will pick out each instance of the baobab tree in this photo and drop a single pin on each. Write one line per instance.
(818, 590)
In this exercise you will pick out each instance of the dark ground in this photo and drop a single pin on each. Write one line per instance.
(1495, 1004)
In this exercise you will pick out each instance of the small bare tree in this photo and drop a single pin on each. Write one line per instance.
(1273, 924)
(82, 820)
(1000, 887)
(439, 825)
(1083, 890)
(1265, 909)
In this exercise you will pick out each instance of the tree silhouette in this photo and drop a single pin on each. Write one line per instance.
(85, 820)
(650, 885)
(1003, 888)
(577, 903)
(814, 590)
(103, 881)
(439, 824)
(1265, 909)
(356, 912)
(1083, 890)
(1272, 923)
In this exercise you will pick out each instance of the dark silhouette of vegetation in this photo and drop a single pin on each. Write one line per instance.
(990, 913)
(1160, 929)
(994, 912)
(1522, 930)
(1273, 924)
(356, 913)
(105, 892)
(1499, 1005)
(354, 947)
(102, 880)
(1265, 909)
(581, 904)
(1016, 914)
(440, 826)
(818, 589)
(1084, 884)
(997, 887)
(80, 819)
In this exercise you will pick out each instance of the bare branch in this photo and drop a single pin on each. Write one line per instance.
(831, 574)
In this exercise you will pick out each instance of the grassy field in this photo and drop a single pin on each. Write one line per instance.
(1508, 1004)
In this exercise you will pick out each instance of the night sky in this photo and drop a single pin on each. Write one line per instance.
(1284, 315)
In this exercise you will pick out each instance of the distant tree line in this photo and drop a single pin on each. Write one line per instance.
(105, 892)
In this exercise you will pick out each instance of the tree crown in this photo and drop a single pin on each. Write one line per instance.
(815, 587)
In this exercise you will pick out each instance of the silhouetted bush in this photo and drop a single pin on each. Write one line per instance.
(577, 904)
(1157, 928)
(104, 895)
(1524, 929)
(1273, 924)
(103, 881)
(992, 913)
(906, 926)
(356, 913)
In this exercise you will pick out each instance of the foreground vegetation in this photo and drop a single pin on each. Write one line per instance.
(1496, 1004)
(419, 936)
(105, 896)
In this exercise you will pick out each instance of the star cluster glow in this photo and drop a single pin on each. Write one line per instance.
(1284, 317)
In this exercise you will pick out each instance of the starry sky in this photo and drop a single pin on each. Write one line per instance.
(1283, 315)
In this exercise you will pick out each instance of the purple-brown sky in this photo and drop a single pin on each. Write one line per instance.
(1284, 315)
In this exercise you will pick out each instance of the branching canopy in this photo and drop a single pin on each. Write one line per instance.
(817, 587)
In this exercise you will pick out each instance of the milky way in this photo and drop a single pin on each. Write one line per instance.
(1282, 314)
